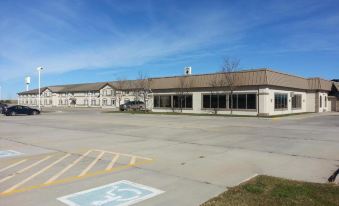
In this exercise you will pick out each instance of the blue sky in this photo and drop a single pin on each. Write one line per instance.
(89, 41)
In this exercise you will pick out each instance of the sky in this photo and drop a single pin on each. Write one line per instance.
(78, 41)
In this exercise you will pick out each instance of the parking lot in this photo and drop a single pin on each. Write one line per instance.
(50, 159)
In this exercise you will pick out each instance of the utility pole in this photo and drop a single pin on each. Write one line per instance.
(39, 71)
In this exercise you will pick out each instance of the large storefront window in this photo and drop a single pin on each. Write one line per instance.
(296, 101)
(214, 101)
(182, 101)
(163, 101)
(243, 101)
(179, 101)
(280, 101)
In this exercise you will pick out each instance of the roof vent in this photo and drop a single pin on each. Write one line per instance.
(188, 70)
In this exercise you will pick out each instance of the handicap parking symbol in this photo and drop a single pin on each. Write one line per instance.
(122, 193)
(8, 153)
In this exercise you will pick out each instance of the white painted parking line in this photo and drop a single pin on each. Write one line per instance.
(133, 160)
(121, 193)
(92, 164)
(12, 165)
(25, 169)
(9, 153)
(111, 164)
(36, 174)
(68, 167)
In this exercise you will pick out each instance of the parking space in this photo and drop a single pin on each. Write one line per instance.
(66, 158)
(33, 172)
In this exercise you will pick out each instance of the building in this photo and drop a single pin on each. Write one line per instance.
(260, 92)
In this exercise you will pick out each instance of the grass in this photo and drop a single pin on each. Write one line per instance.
(270, 191)
(199, 114)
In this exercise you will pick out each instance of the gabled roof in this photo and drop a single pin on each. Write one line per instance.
(70, 88)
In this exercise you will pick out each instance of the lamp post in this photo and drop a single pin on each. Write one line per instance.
(39, 102)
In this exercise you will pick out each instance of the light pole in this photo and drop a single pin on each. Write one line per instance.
(39, 71)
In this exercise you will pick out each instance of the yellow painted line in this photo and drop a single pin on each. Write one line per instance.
(25, 169)
(92, 164)
(133, 160)
(74, 178)
(111, 164)
(68, 167)
(12, 165)
(36, 174)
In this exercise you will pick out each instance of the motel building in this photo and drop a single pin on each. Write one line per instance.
(259, 92)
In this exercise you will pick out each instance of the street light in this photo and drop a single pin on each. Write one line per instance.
(39, 70)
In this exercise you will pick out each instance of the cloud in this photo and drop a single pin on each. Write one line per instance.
(66, 36)
(62, 41)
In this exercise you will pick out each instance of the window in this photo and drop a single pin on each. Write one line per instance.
(251, 101)
(325, 101)
(182, 101)
(214, 101)
(243, 101)
(296, 101)
(321, 101)
(165, 101)
(93, 102)
(112, 102)
(162, 101)
(104, 102)
(280, 101)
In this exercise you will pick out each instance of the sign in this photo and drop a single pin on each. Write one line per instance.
(8, 153)
(122, 193)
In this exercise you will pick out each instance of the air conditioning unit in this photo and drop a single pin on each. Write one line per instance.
(188, 70)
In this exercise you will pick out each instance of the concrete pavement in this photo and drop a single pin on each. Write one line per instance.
(193, 158)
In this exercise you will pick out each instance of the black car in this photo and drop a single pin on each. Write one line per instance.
(20, 110)
(3, 108)
(132, 105)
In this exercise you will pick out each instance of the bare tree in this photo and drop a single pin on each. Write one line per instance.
(216, 82)
(185, 84)
(120, 86)
(144, 88)
(229, 67)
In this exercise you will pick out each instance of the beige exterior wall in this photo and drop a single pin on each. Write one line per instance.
(270, 102)
(107, 97)
(198, 107)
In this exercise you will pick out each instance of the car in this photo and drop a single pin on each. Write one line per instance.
(132, 105)
(3, 108)
(21, 110)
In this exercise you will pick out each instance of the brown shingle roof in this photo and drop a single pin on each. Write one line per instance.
(258, 77)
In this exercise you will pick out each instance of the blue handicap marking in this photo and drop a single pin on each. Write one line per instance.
(122, 193)
(8, 153)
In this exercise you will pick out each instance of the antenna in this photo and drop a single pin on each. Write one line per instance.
(27, 81)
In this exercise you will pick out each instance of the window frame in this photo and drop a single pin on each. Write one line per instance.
(294, 105)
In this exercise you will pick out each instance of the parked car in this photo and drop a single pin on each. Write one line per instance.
(132, 105)
(3, 108)
(20, 110)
